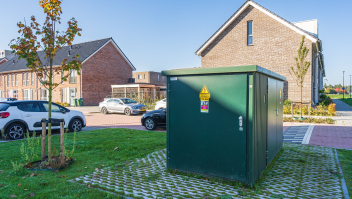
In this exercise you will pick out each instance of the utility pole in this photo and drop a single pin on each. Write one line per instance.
(343, 85)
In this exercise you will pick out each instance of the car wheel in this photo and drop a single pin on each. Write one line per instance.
(16, 131)
(104, 110)
(150, 124)
(75, 124)
(127, 111)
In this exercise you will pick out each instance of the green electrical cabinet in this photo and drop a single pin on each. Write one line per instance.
(225, 122)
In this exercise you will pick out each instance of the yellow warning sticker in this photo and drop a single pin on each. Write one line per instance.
(204, 96)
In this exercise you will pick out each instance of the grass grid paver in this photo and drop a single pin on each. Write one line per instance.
(302, 171)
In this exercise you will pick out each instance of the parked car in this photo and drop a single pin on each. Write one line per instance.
(154, 119)
(16, 117)
(160, 104)
(121, 105)
(7, 99)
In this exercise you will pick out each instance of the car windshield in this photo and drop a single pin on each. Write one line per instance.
(128, 101)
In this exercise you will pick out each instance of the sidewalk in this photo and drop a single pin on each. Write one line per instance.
(343, 113)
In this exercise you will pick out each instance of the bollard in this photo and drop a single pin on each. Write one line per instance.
(43, 139)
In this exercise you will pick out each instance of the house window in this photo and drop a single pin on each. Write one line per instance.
(73, 77)
(13, 79)
(145, 76)
(16, 79)
(1, 81)
(27, 79)
(44, 94)
(8, 80)
(32, 78)
(139, 76)
(27, 94)
(163, 79)
(23, 80)
(158, 78)
(249, 33)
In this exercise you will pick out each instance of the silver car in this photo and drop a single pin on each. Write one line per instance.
(121, 105)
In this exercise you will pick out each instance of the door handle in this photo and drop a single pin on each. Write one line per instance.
(240, 119)
(277, 112)
(28, 115)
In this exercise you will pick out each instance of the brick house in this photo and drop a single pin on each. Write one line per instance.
(255, 35)
(103, 65)
(149, 77)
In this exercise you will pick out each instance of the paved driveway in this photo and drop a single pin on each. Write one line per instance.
(114, 120)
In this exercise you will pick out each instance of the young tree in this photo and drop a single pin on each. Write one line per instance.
(39, 45)
(302, 67)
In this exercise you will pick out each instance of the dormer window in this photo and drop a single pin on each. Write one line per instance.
(249, 33)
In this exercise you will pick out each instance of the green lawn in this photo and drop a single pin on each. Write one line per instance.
(345, 157)
(338, 96)
(94, 149)
(347, 101)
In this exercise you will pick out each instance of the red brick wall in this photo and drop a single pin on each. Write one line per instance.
(274, 47)
(151, 77)
(3, 61)
(107, 67)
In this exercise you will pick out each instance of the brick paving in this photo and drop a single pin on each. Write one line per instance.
(115, 120)
(332, 136)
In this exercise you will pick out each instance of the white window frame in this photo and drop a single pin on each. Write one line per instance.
(23, 80)
(27, 79)
(250, 35)
(145, 76)
(30, 94)
(158, 78)
(139, 76)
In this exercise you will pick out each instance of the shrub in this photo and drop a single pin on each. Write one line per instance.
(325, 100)
(64, 104)
(332, 109)
(287, 102)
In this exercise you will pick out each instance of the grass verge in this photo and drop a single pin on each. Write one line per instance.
(347, 101)
(338, 96)
(94, 149)
(345, 157)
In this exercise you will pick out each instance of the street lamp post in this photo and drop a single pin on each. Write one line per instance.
(350, 86)
(343, 85)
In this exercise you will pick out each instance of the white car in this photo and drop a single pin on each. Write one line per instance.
(16, 117)
(160, 104)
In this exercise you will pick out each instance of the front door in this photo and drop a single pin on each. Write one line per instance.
(72, 95)
(206, 136)
(275, 106)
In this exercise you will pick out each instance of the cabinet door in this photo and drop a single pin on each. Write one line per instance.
(275, 118)
(209, 141)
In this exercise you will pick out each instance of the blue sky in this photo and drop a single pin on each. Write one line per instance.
(163, 34)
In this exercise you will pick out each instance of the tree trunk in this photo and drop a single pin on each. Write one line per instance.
(49, 111)
(43, 140)
(301, 100)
